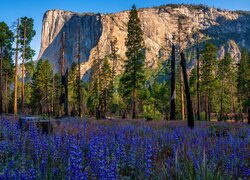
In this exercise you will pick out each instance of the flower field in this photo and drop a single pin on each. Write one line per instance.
(125, 150)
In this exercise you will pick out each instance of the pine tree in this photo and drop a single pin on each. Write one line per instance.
(6, 39)
(197, 37)
(243, 81)
(105, 87)
(29, 72)
(133, 77)
(224, 76)
(209, 60)
(114, 59)
(8, 73)
(26, 34)
(94, 97)
(42, 87)
(73, 88)
(16, 67)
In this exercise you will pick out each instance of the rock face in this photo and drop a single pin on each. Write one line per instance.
(228, 29)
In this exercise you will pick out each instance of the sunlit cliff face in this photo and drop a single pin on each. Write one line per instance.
(228, 29)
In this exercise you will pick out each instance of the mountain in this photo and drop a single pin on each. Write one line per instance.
(230, 30)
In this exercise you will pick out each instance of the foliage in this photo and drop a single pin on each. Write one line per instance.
(42, 87)
(150, 113)
(243, 79)
(26, 25)
(133, 78)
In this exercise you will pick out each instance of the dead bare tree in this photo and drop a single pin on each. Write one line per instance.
(64, 78)
(173, 83)
(79, 98)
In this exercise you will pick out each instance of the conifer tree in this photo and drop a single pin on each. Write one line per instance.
(6, 39)
(42, 87)
(209, 60)
(133, 77)
(94, 97)
(224, 76)
(29, 72)
(114, 59)
(243, 82)
(105, 87)
(73, 88)
(16, 66)
(26, 34)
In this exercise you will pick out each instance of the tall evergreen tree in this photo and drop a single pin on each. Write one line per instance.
(8, 73)
(105, 87)
(73, 88)
(94, 97)
(224, 76)
(243, 81)
(29, 72)
(16, 67)
(114, 59)
(6, 39)
(133, 77)
(26, 34)
(209, 60)
(42, 87)
(197, 37)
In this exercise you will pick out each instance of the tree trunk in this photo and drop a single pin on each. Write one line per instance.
(206, 105)
(64, 78)
(221, 101)
(240, 106)
(173, 92)
(53, 91)
(248, 115)
(66, 109)
(79, 76)
(6, 94)
(198, 83)
(209, 108)
(182, 96)
(16, 71)
(188, 97)
(134, 105)
(24, 49)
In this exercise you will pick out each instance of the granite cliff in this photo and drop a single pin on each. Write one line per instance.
(229, 29)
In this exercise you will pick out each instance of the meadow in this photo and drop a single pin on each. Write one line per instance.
(125, 150)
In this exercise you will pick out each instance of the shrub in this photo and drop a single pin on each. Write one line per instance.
(150, 113)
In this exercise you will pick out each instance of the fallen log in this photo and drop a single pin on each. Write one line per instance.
(44, 125)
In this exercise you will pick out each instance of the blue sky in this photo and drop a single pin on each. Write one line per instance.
(10, 10)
